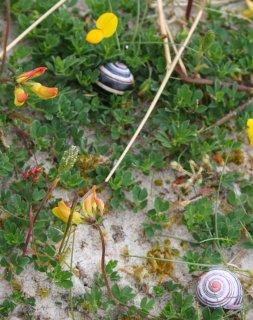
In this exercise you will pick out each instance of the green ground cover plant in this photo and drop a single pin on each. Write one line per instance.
(82, 131)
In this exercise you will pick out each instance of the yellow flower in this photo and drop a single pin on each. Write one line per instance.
(250, 130)
(106, 26)
(248, 13)
(62, 212)
(92, 203)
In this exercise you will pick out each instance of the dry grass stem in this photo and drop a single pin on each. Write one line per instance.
(164, 33)
(159, 92)
(176, 51)
(32, 26)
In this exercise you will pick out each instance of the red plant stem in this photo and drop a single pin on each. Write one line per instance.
(203, 81)
(24, 136)
(7, 30)
(44, 201)
(103, 261)
(46, 197)
(30, 232)
(188, 9)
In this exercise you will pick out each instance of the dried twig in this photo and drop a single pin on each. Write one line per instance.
(202, 81)
(183, 68)
(32, 26)
(231, 114)
(7, 30)
(163, 32)
(158, 94)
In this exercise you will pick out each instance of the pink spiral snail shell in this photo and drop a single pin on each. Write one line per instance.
(220, 288)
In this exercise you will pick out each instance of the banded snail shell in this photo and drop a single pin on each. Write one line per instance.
(220, 288)
(115, 78)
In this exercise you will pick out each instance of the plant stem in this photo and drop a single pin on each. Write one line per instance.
(46, 197)
(7, 30)
(159, 92)
(164, 33)
(69, 223)
(24, 136)
(137, 23)
(32, 26)
(202, 81)
(228, 116)
(103, 261)
(188, 9)
(71, 268)
(44, 201)
(30, 232)
(172, 260)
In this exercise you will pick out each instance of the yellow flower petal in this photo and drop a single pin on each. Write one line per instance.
(64, 208)
(250, 122)
(95, 36)
(107, 23)
(250, 130)
(60, 215)
(62, 212)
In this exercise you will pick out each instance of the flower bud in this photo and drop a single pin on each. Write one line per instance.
(31, 74)
(20, 96)
(92, 203)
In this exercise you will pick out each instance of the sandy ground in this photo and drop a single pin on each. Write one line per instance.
(124, 230)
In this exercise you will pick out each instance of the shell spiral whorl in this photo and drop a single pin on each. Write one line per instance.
(115, 77)
(220, 288)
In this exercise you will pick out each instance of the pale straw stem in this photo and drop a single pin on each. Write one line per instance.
(32, 26)
(175, 50)
(158, 94)
(164, 33)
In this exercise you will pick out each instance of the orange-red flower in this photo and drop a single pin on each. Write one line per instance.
(31, 74)
(42, 91)
(20, 96)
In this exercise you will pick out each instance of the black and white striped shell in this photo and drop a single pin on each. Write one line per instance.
(115, 77)
(220, 288)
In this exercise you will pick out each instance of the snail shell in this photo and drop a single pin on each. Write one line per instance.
(115, 78)
(220, 288)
